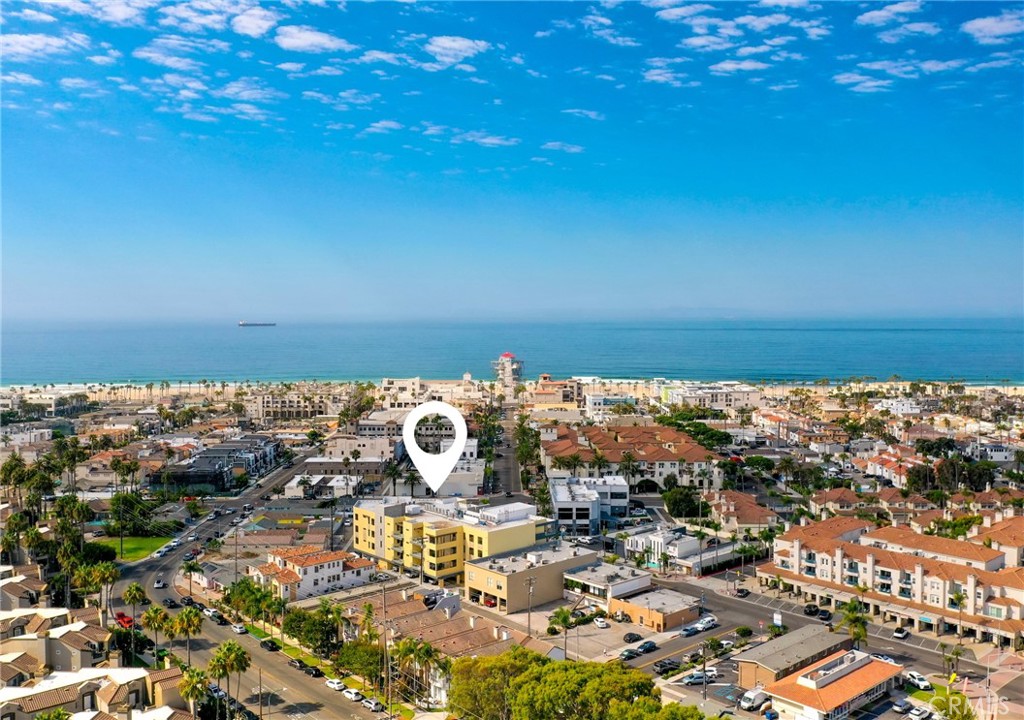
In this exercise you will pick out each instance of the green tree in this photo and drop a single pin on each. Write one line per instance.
(155, 618)
(190, 568)
(55, 714)
(134, 595)
(193, 687)
(480, 685)
(189, 622)
(958, 600)
(576, 691)
(562, 618)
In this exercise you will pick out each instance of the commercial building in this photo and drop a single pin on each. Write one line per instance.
(217, 467)
(660, 610)
(602, 583)
(514, 582)
(787, 654)
(586, 505)
(322, 486)
(435, 538)
(833, 688)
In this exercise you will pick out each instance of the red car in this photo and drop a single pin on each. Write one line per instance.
(124, 621)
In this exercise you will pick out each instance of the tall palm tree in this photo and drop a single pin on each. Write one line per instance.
(404, 655)
(133, 595)
(393, 473)
(599, 463)
(189, 622)
(629, 467)
(193, 687)
(855, 622)
(573, 463)
(426, 657)
(239, 661)
(412, 479)
(190, 568)
(155, 618)
(562, 618)
(106, 575)
(218, 669)
(366, 623)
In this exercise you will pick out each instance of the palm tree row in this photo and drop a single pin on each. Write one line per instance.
(187, 623)
(415, 660)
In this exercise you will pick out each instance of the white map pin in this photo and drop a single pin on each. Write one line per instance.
(434, 468)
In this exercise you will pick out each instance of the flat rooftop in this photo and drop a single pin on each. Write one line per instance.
(521, 561)
(792, 648)
(663, 600)
(605, 574)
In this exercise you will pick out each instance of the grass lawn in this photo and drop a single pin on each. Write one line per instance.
(927, 695)
(135, 548)
(256, 632)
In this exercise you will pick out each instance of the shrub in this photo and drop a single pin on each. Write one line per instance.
(777, 630)
(552, 630)
(743, 631)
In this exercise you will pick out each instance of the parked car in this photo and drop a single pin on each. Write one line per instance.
(159, 584)
(187, 601)
(216, 691)
(825, 615)
(742, 593)
(900, 634)
(221, 620)
(811, 609)
(508, 493)
(490, 602)
(601, 623)
(124, 621)
(695, 657)
(169, 603)
(711, 673)
(917, 680)
(352, 694)
(296, 663)
(335, 684)
(753, 700)
(193, 537)
(728, 644)
(238, 629)
(631, 638)
(647, 647)
(199, 606)
(269, 645)
(665, 665)
(628, 654)
(577, 614)
(695, 678)
(920, 713)
(313, 671)
(901, 706)
(883, 658)
(689, 631)
(373, 704)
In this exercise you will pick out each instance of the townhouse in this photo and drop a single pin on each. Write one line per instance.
(1002, 533)
(902, 577)
(296, 573)
(434, 539)
(740, 513)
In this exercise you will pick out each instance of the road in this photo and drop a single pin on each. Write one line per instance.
(287, 692)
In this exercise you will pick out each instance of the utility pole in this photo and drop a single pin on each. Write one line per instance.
(384, 636)
(261, 692)
(704, 670)
(236, 554)
(530, 582)
(334, 502)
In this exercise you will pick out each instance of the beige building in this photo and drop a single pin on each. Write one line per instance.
(511, 583)
(660, 610)
(788, 654)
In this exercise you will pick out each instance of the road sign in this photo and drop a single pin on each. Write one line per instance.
(760, 624)
(777, 619)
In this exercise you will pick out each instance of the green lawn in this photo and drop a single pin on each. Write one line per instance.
(135, 548)
(927, 695)
(256, 632)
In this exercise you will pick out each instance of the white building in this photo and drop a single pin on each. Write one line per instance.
(296, 573)
(322, 486)
(585, 505)
(728, 395)
(509, 372)
(601, 583)
(598, 406)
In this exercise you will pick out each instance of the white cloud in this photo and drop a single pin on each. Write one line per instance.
(249, 89)
(16, 47)
(196, 16)
(896, 68)
(934, 66)
(664, 76)
(110, 58)
(34, 16)
(782, 40)
(608, 78)
(889, 13)
(292, 67)
(302, 38)
(760, 23)
(784, 86)
(788, 4)
(590, 114)
(601, 27)
(674, 14)
(255, 22)
(995, 30)
(908, 30)
(20, 78)
(382, 127)
(375, 56)
(815, 29)
(753, 50)
(167, 51)
(728, 66)
(993, 64)
(328, 70)
(862, 83)
(543, 33)
(358, 98)
(563, 147)
(117, 12)
(451, 49)
(786, 55)
(705, 43)
(484, 139)
(82, 87)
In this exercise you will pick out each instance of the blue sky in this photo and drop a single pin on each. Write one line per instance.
(325, 161)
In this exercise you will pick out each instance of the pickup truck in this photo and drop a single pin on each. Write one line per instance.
(124, 621)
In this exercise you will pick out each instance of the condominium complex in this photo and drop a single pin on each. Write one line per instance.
(583, 506)
(727, 395)
(435, 538)
(902, 576)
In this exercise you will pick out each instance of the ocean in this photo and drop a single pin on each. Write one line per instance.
(974, 351)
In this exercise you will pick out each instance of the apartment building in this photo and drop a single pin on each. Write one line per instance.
(739, 512)
(1002, 533)
(435, 538)
(517, 581)
(910, 581)
(600, 407)
(266, 407)
(322, 486)
(296, 573)
(342, 445)
(729, 395)
(833, 688)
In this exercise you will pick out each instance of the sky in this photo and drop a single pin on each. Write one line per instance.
(322, 161)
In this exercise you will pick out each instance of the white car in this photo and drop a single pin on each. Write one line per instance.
(919, 713)
(601, 623)
(216, 691)
(638, 512)
(884, 658)
(352, 694)
(373, 704)
(193, 537)
(901, 633)
(174, 543)
(335, 684)
(159, 584)
(918, 680)
(711, 673)
(238, 629)
(210, 612)
(727, 644)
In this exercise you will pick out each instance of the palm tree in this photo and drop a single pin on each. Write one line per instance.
(217, 668)
(155, 619)
(190, 568)
(193, 687)
(237, 661)
(106, 574)
(404, 655)
(573, 463)
(366, 622)
(189, 622)
(562, 618)
(133, 595)
(55, 714)
(599, 463)
(412, 479)
(392, 472)
(957, 600)
(855, 622)
(629, 467)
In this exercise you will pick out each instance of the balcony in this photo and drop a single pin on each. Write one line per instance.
(906, 594)
(884, 575)
(906, 581)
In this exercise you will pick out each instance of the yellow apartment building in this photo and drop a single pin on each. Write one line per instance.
(434, 539)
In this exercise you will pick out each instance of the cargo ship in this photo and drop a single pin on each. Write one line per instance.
(243, 323)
